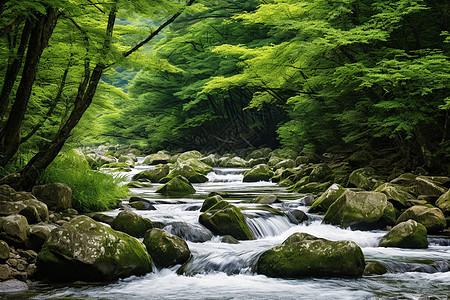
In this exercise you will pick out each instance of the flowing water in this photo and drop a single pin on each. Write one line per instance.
(226, 271)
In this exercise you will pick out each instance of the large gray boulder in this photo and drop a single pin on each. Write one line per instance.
(13, 228)
(432, 218)
(430, 185)
(57, 196)
(37, 234)
(359, 210)
(408, 234)
(187, 171)
(364, 178)
(158, 158)
(322, 203)
(396, 194)
(303, 255)
(131, 223)
(86, 250)
(166, 249)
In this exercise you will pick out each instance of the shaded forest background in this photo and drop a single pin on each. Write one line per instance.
(311, 76)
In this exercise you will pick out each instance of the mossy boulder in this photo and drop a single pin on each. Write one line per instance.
(166, 249)
(4, 251)
(326, 199)
(13, 229)
(120, 165)
(187, 172)
(85, 250)
(396, 194)
(57, 196)
(234, 162)
(210, 202)
(259, 153)
(131, 223)
(360, 159)
(408, 234)
(359, 210)
(430, 185)
(274, 160)
(297, 185)
(157, 158)
(37, 234)
(364, 178)
(287, 163)
(153, 175)
(314, 187)
(177, 186)
(257, 161)
(321, 173)
(210, 160)
(432, 218)
(260, 172)
(226, 219)
(267, 199)
(444, 202)
(302, 255)
(404, 179)
(375, 268)
(198, 166)
(188, 155)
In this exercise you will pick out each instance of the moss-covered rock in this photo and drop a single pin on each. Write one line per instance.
(4, 251)
(298, 184)
(166, 249)
(267, 199)
(177, 186)
(234, 162)
(444, 202)
(86, 250)
(286, 183)
(360, 159)
(198, 166)
(259, 153)
(432, 218)
(210, 202)
(305, 255)
(57, 196)
(157, 158)
(13, 229)
(226, 219)
(405, 179)
(287, 163)
(408, 234)
(188, 155)
(375, 268)
(257, 161)
(396, 194)
(430, 185)
(274, 160)
(120, 165)
(314, 187)
(37, 234)
(364, 178)
(187, 172)
(154, 175)
(321, 173)
(258, 173)
(327, 198)
(131, 223)
(359, 210)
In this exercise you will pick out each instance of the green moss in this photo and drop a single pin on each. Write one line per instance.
(178, 186)
(131, 223)
(327, 198)
(409, 234)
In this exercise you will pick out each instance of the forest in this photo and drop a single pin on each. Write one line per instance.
(302, 98)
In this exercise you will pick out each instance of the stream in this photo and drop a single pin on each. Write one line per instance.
(226, 271)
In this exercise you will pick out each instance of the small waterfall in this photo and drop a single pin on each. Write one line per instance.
(271, 226)
(403, 267)
(226, 175)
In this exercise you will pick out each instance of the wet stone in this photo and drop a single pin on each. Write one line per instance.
(12, 262)
(5, 272)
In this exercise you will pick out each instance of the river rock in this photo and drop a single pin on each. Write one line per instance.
(313, 187)
(257, 161)
(157, 158)
(432, 218)
(396, 194)
(375, 268)
(259, 153)
(35, 211)
(4, 251)
(226, 219)
(13, 286)
(408, 234)
(57, 196)
(327, 198)
(359, 210)
(189, 232)
(103, 218)
(187, 172)
(444, 202)
(321, 173)
(430, 185)
(364, 178)
(127, 158)
(198, 166)
(37, 234)
(210, 202)
(274, 160)
(285, 164)
(154, 175)
(210, 160)
(86, 250)
(13, 228)
(131, 223)
(302, 255)
(6, 190)
(405, 179)
(360, 159)
(177, 186)
(141, 205)
(258, 173)
(166, 249)
(5, 272)
(266, 199)
(234, 162)
(188, 155)
(296, 216)
(103, 160)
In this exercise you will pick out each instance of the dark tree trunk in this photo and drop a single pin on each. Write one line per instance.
(39, 37)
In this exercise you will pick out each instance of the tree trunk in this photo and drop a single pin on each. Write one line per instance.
(10, 134)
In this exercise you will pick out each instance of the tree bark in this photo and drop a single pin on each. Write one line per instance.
(39, 37)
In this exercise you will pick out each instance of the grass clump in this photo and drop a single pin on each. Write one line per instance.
(91, 190)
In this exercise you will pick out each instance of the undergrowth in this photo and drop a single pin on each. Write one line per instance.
(91, 190)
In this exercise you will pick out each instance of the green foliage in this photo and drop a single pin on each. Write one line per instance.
(91, 190)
